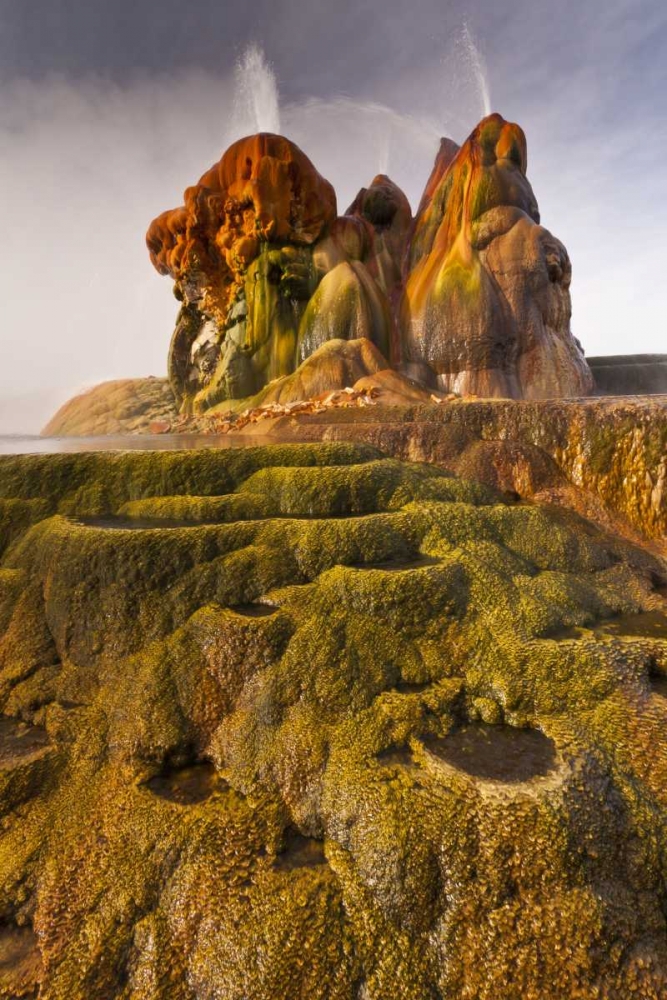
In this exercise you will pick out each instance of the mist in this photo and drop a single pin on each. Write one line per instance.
(87, 161)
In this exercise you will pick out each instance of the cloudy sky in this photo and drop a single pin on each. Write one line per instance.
(108, 110)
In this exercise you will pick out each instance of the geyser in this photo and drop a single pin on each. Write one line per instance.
(256, 101)
(474, 59)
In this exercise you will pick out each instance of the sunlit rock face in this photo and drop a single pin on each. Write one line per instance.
(471, 296)
(265, 270)
(487, 301)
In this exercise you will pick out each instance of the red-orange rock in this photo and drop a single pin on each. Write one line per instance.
(264, 189)
(254, 252)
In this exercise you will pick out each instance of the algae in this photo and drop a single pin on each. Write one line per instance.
(224, 803)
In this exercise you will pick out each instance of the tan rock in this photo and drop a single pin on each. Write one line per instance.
(334, 365)
(123, 406)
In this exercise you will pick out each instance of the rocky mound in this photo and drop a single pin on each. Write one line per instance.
(266, 271)
(141, 406)
(472, 297)
(125, 406)
(487, 301)
(301, 721)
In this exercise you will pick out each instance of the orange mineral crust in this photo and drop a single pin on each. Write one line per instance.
(266, 271)
(263, 189)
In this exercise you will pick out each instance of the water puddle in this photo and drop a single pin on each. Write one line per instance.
(187, 785)
(659, 686)
(117, 522)
(20, 962)
(496, 753)
(254, 610)
(396, 755)
(563, 632)
(647, 625)
(405, 687)
(36, 445)
(18, 740)
(300, 852)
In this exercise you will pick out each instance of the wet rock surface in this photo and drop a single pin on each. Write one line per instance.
(487, 300)
(20, 963)
(187, 785)
(19, 740)
(445, 780)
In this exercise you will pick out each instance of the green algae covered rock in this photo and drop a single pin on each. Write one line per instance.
(301, 721)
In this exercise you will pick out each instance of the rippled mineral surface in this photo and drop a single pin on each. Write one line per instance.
(303, 722)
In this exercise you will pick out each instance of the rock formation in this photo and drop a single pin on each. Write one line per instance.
(487, 300)
(305, 722)
(266, 272)
(472, 297)
(123, 406)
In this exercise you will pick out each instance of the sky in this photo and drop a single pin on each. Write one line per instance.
(108, 110)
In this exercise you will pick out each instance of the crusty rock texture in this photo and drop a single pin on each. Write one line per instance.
(487, 299)
(472, 297)
(388, 217)
(307, 722)
(266, 271)
(606, 458)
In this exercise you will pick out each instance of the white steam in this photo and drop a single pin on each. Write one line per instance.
(256, 103)
(473, 57)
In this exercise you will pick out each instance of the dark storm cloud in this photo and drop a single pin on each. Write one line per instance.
(315, 41)
(109, 108)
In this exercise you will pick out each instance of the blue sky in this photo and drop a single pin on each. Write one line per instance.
(109, 110)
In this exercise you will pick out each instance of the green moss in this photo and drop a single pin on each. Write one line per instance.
(16, 515)
(403, 602)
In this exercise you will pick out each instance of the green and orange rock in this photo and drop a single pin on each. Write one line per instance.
(265, 271)
(487, 302)
(473, 296)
